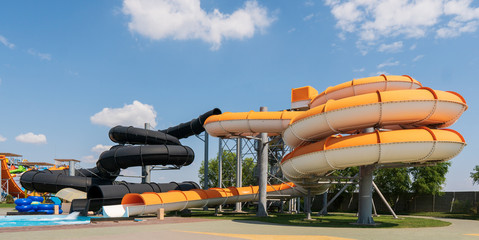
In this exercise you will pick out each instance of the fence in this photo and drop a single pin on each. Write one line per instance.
(457, 202)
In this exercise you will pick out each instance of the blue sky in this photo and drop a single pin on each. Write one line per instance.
(70, 69)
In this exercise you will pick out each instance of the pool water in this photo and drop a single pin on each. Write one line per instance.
(42, 220)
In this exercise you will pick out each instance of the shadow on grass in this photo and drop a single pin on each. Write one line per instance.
(333, 220)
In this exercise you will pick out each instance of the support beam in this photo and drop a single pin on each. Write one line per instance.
(206, 171)
(375, 213)
(307, 205)
(365, 195)
(263, 172)
(145, 169)
(220, 169)
(325, 207)
(239, 171)
(71, 168)
(324, 211)
(384, 200)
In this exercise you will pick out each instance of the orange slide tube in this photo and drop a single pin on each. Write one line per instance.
(137, 204)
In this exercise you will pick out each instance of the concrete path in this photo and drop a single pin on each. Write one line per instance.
(178, 229)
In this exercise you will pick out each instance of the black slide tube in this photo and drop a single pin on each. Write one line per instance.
(161, 148)
(193, 127)
(118, 191)
(101, 195)
(129, 156)
(54, 181)
(132, 135)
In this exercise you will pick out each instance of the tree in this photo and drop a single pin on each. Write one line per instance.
(347, 172)
(393, 182)
(229, 171)
(475, 175)
(429, 180)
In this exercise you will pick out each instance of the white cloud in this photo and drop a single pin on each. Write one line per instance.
(373, 20)
(388, 63)
(2, 138)
(393, 47)
(417, 58)
(99, 148)
(380, 73)
(185, 19)
(5, 42)
(455, 28)
(43, 56)
(412, 47)
(31, 138)
(359, 70)
(309, 17)
(135, 114)
(291, 30)
(89, 159)
(309, 3)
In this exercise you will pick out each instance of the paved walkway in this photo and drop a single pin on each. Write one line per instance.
(194, 228)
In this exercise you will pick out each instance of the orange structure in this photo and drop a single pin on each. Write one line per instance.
(405, 119)
(8, 183)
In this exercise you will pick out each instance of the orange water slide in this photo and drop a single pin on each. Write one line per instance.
(137, 204)
(8, 183)
(391, 105)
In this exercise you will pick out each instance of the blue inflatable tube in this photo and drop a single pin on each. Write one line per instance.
(45, 207)
(23, 208)
(36, 198)
(23, 202)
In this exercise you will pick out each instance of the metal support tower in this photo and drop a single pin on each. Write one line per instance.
(249, 147)
(262, 162)
(220, 169)
(206, 172)
(146, 169)
(239, 171)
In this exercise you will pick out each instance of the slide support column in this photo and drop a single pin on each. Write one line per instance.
(146, 169)
(206, 176)
(239, 171)
(206, 172)
(220, 167)
(365, 195)
(263, 172)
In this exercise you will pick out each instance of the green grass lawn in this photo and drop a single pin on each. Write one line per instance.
(333, 220)
(7, 205)
(467, 216)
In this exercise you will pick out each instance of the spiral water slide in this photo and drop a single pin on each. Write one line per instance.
(407, 119)
(157, 148)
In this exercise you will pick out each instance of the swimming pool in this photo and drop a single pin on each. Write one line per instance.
(42, 220)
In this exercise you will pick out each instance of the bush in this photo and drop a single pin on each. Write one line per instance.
(9, 199)
(462, 207)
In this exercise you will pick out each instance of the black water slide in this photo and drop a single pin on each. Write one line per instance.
(157, 148)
